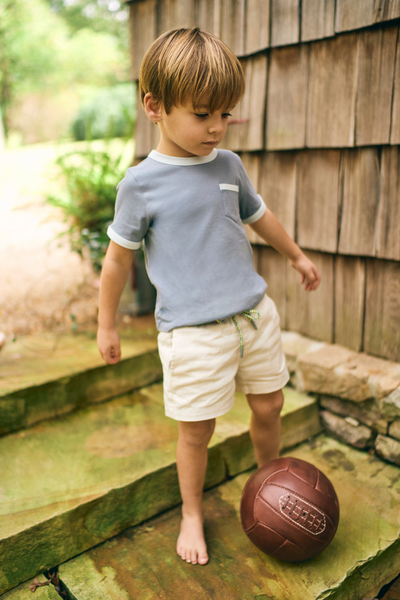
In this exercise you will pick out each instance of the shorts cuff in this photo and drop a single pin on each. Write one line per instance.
(266, 387)
(200, 415)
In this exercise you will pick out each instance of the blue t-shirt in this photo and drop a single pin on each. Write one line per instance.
(190, 213)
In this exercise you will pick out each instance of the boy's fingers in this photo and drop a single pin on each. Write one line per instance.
(112, 355)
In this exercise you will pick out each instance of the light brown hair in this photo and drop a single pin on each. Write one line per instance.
(191, 64)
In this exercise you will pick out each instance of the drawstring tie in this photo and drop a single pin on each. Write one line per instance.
(252, 316)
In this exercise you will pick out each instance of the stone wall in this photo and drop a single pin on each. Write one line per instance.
(359, 394)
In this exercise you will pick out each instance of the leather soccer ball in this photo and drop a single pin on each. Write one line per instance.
(289, 509)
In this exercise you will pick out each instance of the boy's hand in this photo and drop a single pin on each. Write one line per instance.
(310, 276)
(109, 345)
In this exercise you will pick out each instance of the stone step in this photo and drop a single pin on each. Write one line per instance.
(68, 484)
(45, 376)
(363, 556)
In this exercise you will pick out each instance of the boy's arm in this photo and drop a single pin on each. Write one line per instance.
(271, 231)
(114, 274)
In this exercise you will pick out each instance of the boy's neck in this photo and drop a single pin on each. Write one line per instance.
(173, 150)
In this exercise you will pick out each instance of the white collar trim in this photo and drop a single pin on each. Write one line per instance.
(183, 161)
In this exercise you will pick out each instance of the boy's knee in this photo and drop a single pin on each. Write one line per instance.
(266, 406)
(197, 433)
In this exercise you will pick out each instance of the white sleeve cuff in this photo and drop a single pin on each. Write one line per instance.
(122, 241)
(257, 215)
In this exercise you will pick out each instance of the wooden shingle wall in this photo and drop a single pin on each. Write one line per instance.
(319, 135)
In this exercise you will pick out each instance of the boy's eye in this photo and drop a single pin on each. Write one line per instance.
(201, 115)
(226, 115)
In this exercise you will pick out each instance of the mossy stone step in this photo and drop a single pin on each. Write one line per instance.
(44, 376)
(71, 483)
(363, 556)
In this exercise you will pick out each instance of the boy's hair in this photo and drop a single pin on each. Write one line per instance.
(189, 63)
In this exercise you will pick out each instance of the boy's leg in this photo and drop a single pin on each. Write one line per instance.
(191, 458)
(265, 425)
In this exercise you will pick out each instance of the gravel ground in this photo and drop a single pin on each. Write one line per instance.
(43, 285)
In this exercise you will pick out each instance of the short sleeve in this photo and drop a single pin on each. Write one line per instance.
(251, 205)
(131, 221)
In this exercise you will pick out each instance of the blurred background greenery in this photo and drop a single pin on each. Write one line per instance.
(67, 118)
(64, 70)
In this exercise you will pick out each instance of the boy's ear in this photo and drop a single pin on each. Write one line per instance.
(152, 108)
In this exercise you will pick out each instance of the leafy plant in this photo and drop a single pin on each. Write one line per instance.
(91, 177)
(111, 113)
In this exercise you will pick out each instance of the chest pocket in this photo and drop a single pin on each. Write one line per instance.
(230, 200)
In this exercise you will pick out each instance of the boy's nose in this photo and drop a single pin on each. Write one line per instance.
(216, 127)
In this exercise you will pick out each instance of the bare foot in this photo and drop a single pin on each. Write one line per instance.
(191, 545)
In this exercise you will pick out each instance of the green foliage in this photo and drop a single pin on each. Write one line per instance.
(104, 16)
(39, 51)
(91, 177)
(110, 114)
(28, 47)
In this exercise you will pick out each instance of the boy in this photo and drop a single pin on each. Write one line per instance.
(188, 201)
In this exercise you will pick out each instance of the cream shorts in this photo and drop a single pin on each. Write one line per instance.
(202, 364)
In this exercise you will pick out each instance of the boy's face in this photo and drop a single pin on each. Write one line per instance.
(187, 131)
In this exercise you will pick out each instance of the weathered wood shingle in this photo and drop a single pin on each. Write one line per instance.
(246, 128)
(375, 86)
(349, 301)
(332, 88)
(318, 199)
(257, 25)
(287, 98)
(317, 19)
(143, 32)
(311, 313)
(382, 314)
(359, 202)
(278, 186)
(233, 24)
(175, 13)
(319, 133)
(285, 25)
(395, 125)
(387, 234)
(354, 14)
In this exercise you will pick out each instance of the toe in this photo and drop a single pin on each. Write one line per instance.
(203, 560)
(181, 553)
